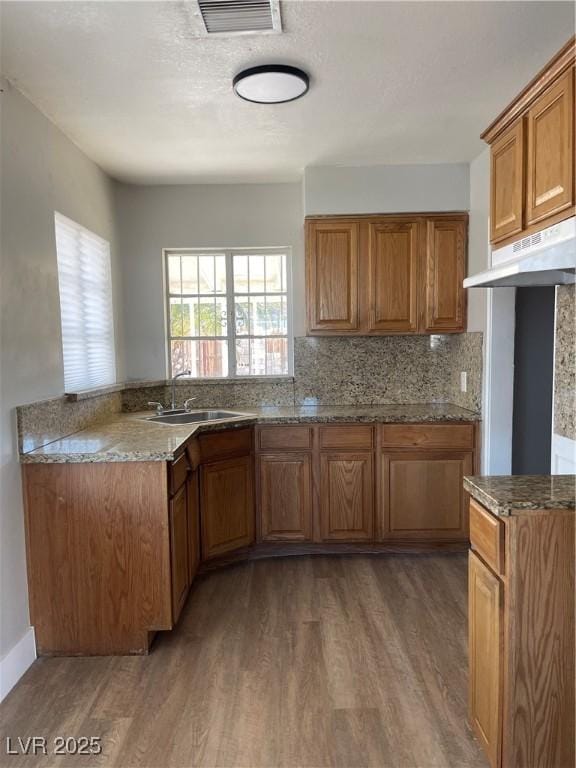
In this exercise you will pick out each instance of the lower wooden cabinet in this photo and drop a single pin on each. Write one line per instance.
(422, 495)
(192, 493)
(180, 573)
(227, 505)
(485, 651)
(521, 636)
(346, 496)
(285, 496)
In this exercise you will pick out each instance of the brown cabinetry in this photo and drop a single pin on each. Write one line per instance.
(227, 505)
(180, 580)
(346, 496)
(332, 275)
(485, 650)
(422, 495)
(445, 305)
(377, 275)
(550, 162)
(285, 496)
(521, 636)
(532, 173)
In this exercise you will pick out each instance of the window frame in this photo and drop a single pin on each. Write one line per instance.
(108, 315)
(231, 294)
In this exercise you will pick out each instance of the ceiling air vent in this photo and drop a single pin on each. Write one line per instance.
(231, 17)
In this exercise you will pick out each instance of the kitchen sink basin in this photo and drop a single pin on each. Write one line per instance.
(193, 417)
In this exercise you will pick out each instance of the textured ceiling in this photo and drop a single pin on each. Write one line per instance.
(137, 88)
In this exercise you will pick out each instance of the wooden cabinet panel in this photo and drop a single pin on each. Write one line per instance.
(485, 651)
(422, 495)
(179, 551)
(445, 306)
(448, 436)
(284, 438)
(193, 490)
(487, 537)
(346, 496)
(332, 255)
(177, 472)
(550, 183)
(230, 442)
(285, 497)
(393, 265)
(227, 504)
(507, 183)
(346, 437)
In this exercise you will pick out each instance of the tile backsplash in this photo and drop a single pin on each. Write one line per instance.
(565, 363)
(327, 371)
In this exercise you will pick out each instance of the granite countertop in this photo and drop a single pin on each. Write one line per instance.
(507, 495)
(129, 437)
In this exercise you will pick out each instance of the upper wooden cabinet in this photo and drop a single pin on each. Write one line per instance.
(550, 183)
(332, 276)
(532, 154)
(445, 273)
(507, 183)
(393, 278)
(378, 275)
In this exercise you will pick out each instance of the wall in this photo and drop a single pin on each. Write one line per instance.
(42, 171)
(386, 189)
(219, 215)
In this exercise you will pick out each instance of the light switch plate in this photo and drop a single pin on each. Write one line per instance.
(463, 381)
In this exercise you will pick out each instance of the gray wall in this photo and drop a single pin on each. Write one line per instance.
(42, 172)
(386, 188)
(215, 215)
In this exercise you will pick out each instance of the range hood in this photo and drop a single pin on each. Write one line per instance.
(547, 257)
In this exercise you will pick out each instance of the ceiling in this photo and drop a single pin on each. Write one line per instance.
(141, 92)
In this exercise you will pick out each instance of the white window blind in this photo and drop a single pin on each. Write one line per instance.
(85, 283)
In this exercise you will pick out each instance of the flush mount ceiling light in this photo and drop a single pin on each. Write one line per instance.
(271, 84)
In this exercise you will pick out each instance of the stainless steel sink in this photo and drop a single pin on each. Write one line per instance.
(193, 417)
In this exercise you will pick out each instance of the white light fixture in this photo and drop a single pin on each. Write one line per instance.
(271, 84)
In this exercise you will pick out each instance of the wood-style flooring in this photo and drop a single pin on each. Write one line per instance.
(297, 661)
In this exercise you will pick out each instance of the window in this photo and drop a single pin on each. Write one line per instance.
(206, 289)
(85, 283)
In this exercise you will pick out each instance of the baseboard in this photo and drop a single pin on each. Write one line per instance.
(16, 662)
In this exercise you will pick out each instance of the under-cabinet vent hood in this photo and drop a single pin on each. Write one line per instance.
(547, 257)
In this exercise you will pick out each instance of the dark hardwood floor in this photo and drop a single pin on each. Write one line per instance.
(304, 661)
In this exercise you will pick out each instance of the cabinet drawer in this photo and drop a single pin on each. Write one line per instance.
(487, 537)
(450, 436)
(177, 472)
(346, 437)
(221, 444)
(280, 438)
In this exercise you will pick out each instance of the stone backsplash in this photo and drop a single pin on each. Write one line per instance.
(327, 371)
(565, 363)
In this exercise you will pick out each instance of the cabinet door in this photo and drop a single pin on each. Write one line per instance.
(193, 524)
(332, 257)
(550, 187)
(393, 262)
(422, 495)
(445, 270)
(346, 497)
(226, 506)
(507, 183)
(285, 497)
(485, 656)
(179, 551)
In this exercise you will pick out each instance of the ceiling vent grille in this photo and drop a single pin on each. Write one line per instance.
(231, 17)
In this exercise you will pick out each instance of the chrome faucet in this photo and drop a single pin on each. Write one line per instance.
(178, 375)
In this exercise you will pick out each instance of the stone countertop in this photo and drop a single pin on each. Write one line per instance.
(506, 495)
(129, 437)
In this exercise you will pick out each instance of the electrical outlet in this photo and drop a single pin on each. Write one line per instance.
(463, 381)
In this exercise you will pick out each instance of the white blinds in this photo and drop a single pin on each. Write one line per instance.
(85, 283)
